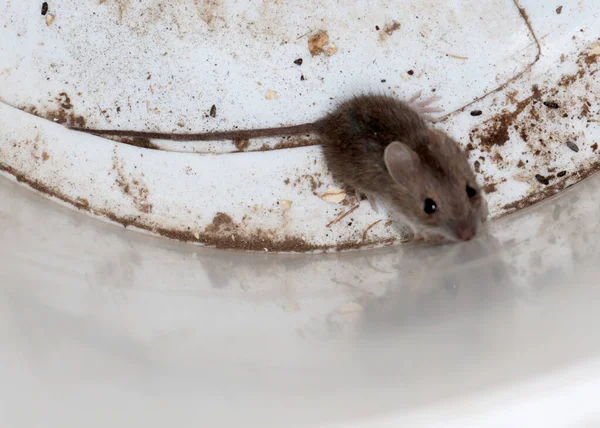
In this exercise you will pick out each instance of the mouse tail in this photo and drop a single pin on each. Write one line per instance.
(247, 134)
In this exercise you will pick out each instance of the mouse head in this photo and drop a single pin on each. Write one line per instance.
(436, 190)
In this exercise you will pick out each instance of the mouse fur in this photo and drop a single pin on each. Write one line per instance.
(382, 147)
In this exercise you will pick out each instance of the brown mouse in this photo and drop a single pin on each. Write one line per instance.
(382, 147)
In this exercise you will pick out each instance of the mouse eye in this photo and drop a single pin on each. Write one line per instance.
(471, 192)
(430, 206)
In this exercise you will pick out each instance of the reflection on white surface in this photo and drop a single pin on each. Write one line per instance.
(101, 325)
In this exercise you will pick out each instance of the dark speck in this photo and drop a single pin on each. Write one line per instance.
(410, 72)
(302, 77)
(559, 10)
(213, 111)
(383, 80)
(377, 27)
(298, 61)
(542, 179)
(476, 113)
(561, 174)
(551, 104)
(44, 8)
(572, 146)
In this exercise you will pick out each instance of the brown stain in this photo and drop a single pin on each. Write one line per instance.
(241, 145)
(550, 190)
(221, 222)
(58, 115)
(212, 12)
(40, 187)
(313, 182)
(388, 29)
(489, 188)
(258, 241)
(132, 187)
(585, 109)
(495, 131)
(65, 101)
(583, 62)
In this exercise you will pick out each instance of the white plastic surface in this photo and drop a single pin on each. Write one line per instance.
(103, 63)
(103, 326)
(106, 326)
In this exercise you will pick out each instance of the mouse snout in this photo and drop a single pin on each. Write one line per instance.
(466, 231)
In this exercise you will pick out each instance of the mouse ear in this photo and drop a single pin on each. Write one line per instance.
(401, 162)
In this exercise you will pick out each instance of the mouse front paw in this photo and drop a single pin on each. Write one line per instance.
(426, 106)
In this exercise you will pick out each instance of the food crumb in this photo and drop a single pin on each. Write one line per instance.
(45, 156)
(559, 10)
(317, 41)
(595, 51)
(213, 111)
(298, 61)
(285, 204)
(522, 178)
(411, 72)
(331, 50)
(49, 19)
(333, 195)
(271, 95)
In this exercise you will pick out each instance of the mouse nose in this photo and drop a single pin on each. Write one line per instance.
(466, 232)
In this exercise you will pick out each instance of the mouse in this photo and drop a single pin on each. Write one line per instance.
(382, 147)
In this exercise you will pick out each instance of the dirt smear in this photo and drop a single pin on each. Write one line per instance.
(222, 233)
